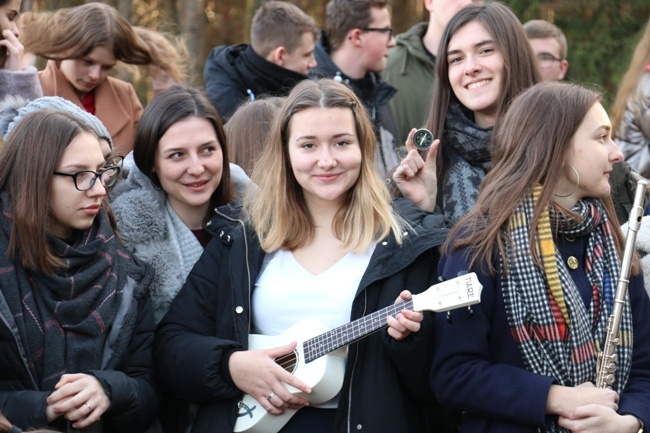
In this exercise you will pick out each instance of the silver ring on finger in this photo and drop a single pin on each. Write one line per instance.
(90, 409)
(270, 396)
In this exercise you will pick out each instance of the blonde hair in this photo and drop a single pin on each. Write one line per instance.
(631, 79)
(171, 53)
(276, 207)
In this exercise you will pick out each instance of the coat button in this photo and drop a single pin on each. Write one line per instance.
(359, 426)
(384, 243)
(239, 309)
(572, 262)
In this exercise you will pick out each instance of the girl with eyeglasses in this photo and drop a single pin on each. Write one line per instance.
(76, 322)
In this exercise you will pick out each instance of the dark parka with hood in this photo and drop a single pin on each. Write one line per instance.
(236, 74)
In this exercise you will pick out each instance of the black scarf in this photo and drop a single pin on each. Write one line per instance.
(467, 149)
(63, 319)
(263, 77)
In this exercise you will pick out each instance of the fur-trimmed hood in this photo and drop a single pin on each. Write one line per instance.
(155, 234)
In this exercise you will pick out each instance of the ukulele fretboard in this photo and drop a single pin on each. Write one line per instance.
(325, 343)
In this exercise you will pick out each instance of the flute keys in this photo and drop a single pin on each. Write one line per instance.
(572, 262)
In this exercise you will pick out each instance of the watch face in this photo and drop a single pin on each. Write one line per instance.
(423, 139)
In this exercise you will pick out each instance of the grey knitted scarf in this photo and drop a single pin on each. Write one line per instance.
(467, 149)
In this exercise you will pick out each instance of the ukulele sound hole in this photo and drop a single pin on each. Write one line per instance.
(288, 361)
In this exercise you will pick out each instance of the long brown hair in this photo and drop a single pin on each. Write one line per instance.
(27, 162)
(72, 33)
(530, 147)
(248, 128)
(172, 105)
(520, 66)
(276, 206)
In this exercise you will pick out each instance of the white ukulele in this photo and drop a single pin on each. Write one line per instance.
(316, 361)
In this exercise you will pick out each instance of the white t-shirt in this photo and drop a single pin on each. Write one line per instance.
(286, 293)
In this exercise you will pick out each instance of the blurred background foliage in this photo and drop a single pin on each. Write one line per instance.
(601, 33)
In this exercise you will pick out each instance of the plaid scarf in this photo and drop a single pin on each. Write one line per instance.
(63, 319)
(556, 335)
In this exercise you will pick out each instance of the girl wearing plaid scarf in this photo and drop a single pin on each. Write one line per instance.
(546, 245)
(76, 324)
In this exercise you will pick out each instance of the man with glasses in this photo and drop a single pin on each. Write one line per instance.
(411, 65)
(550, 47)
(353, 49)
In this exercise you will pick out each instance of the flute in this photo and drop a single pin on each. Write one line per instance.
(606, 363)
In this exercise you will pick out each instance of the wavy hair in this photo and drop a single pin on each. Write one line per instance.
(276, 208)
(72, 33)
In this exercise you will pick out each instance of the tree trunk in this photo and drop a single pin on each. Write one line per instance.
(126, 9)
(193, 23)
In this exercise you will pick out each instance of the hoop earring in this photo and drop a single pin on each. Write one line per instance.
(577, 183)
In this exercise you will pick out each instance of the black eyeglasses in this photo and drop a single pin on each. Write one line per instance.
(388, 30)
(84, 180)
(546, 59)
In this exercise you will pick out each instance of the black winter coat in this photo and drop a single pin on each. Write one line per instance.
(385, 386)
(128, 376)
(236, 74)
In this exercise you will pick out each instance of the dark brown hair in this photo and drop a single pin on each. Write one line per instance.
(520, 65)
(36, 150)
(172, 105)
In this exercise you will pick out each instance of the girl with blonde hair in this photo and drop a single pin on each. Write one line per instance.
(631, 110)
(317, 238)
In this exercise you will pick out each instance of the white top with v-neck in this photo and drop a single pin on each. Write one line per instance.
(286, 293)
